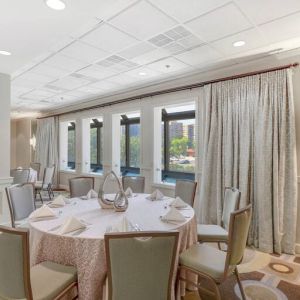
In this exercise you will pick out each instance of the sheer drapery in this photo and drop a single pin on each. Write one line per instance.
(47, 144)
(249, 142)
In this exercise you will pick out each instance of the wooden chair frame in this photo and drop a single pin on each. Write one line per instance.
(80, 177)
(195, 189)
(26, 263)
(147, 234)
(226, 273)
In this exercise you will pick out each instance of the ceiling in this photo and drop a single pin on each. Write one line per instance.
(99, 47)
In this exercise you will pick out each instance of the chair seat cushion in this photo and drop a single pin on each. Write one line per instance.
(48, 279)
(211, 233)
(204, 259)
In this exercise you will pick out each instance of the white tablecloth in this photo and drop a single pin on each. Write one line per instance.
(85, 251)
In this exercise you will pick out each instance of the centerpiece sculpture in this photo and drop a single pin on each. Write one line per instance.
(120, 202)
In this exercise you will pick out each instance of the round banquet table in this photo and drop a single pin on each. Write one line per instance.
(85, 249)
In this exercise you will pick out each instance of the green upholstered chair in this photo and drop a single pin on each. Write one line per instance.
(215, 265)
(216, 233)
(186, 190)
(45, 281)
(140, 265)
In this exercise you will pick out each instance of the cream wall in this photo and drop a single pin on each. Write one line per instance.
(13, 144)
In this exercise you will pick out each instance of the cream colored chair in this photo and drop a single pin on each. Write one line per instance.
(20, 175)
(45, 281)
(21, 203)
(136, 183)
(37, 167)
(215, 265)
(46, 184)
(140, 265)
(215, 233)
(80, 186)
(186, 190)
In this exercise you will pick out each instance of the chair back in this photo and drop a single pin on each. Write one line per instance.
(141, 265)
(20, 201)
(231, 203)
(36, 166)
(20, 175)
(136, 183)
(237, 237)
(14, 264)
(186, 190)
(80, 186)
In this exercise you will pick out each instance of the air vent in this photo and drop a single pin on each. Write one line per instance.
(117, 63)
(160, 40)
(177, 33)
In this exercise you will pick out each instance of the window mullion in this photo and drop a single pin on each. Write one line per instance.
(98, 145)
(127, 145)
(166, 146)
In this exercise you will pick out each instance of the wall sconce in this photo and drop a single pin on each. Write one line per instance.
(33, 142)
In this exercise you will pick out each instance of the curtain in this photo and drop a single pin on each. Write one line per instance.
(47, 144)
(248, 142)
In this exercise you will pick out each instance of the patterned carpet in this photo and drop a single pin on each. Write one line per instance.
(264, 277)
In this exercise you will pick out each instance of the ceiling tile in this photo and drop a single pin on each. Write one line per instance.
(184, 10)
(143, 73)
(31, 76)
(49, 71)
(262, 11)
(153, 20)
(70, 82)
(168, 65)
(90, 90)
(104, 85)
(220, 23)
(65, 63)
(137, 50)
(117, 63)
(86, 27)
(109, 38)
(83, 52)
(37, 95)
(150, 56)
(199, 56)
(97, 72)
(123, 79)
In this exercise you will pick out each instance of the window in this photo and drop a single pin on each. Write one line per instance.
(96, 149)
(130, 144)
(178, 143)
(71, 145)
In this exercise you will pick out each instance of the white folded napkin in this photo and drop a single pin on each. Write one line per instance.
(178, 203)
(71, 224)
(59, 201)
(123, 226)
(92, 194)
(129, 192)
(156, 195)
(44, 212)
(19, 168)
(173, 215)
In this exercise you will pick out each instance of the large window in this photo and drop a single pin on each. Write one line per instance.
(71, 145)
(96, 150)
(178, 143)
(130, 144)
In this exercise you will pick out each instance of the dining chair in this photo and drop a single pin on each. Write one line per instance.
(132, 263)
(20, 202)
(80, 186)
(46, 280)
(186, 190)
(136, 183)
(214, 265)
(215, 233)
(37, 167)
(20, 175)
(46, 183)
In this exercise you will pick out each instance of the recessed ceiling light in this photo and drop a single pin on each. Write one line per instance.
(56, 4)
(239, 43)
(3, 52)
(143, 73)
(168, 66)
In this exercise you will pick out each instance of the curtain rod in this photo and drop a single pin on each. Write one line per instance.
(176, 89)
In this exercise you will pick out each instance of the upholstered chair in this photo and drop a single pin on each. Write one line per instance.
(140, 265)
(136, 183)
(80, 186)
(37, 167)
(215, 265)
(21, 203)
(46, 280)
(215, 233)
(46, 183)
(186, 190)
(20, 175)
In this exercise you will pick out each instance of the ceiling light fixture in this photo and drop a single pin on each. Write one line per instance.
(239, 43)
(143, 73)
(3, 52)
(56, 4)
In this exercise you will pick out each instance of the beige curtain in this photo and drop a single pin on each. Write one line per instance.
(248, 141)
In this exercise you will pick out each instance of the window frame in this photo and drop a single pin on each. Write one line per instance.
(166, 118)
(71, 128)
(98, 125)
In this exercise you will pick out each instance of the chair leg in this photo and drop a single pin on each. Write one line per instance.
(49, 193)
(240, 284)
(41, 197)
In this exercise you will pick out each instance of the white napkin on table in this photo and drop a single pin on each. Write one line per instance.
(71, 224)
(173, 215)
(92, 194)
(129, 192)
(44, 212)
(178, 203)
(123, 226)
(59, 201)
(156, 195)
